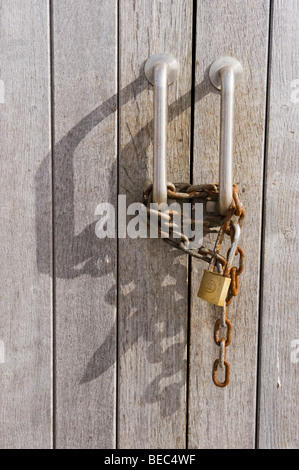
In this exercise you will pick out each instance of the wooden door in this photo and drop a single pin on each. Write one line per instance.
(104, 342)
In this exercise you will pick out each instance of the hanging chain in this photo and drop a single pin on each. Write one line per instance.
(223, 343)
(204, 193)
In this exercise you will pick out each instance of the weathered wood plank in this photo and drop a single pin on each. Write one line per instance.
(25, 211)
(279, 371)
(85, 103)
(153, 278)
(225, 418)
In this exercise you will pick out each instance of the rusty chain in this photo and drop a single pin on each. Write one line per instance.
(223, 344)
(204, 193)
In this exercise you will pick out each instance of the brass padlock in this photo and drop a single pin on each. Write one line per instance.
(214, 286)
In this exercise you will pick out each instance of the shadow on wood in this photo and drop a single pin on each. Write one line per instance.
(77, 255)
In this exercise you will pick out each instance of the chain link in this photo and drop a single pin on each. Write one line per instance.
(223, 344)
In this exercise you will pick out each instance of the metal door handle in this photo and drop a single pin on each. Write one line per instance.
(225, 73)
(161, 70)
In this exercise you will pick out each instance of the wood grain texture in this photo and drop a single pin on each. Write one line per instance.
(225, 418)
(279, 371)
(152, 292)
(85, 104)
(25, 211)
(153, 278)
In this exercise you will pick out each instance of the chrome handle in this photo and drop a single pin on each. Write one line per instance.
(161, 70)
(225, 73)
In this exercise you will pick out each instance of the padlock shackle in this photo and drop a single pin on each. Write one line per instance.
(233, 248)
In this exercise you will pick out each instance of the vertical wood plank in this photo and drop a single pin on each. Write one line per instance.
(25, 291)
(279, 370)
(85, 103)
(153, 278)
(225, 418)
